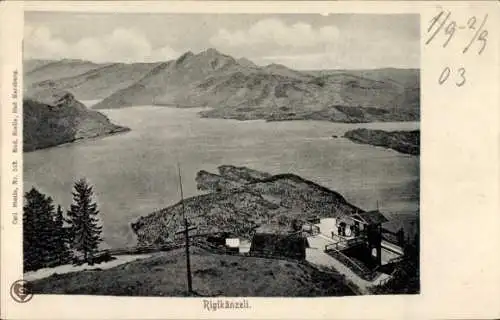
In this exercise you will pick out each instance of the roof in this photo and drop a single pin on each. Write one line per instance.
(233, 242)
(370, 217)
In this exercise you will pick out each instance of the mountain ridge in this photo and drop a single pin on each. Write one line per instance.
(240, 89)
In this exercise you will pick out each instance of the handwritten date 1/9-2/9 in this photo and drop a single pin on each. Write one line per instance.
(442, 22)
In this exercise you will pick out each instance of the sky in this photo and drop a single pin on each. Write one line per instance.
(299, 41)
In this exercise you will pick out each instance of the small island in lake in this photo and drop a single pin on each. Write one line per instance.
(402, 141)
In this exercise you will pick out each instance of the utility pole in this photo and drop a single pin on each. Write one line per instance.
(186, 236)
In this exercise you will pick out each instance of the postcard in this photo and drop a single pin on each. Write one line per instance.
(250, 160)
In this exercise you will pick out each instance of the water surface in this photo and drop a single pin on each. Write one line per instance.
(135, 173)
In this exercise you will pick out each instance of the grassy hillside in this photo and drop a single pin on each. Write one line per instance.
(35, 72)
(30, 65)
(401, 141)
(240, 200)
(54, 117)
(213, 275)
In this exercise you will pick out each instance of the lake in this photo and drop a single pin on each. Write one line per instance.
(135, 173)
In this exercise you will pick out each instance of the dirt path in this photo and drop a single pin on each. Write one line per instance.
(67, 268)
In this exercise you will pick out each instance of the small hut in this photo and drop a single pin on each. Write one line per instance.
(233, 244)
(279, 241)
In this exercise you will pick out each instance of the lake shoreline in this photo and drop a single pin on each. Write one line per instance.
(116, 131)
(210, 112)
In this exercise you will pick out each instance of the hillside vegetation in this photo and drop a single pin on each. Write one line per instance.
(238, 88)
(53, 117)
(88, 81)
(241, 199)
(213, 275)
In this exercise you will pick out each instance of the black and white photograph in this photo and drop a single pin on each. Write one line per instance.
(221, 155)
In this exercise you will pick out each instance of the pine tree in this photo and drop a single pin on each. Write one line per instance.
(84, 223)
(38, 230)
(60, 238)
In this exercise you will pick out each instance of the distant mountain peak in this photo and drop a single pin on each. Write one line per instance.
(212, 52)
(276, 66)
(208, 54)
(184, 57)
(215, 58)
(247, 63)
(207, 60)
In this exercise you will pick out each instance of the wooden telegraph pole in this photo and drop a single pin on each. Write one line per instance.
(186, 236)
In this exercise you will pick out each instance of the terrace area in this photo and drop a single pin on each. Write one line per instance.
(349, 251)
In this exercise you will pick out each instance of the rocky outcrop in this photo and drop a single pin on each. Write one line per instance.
(52, 117)
(241, 199)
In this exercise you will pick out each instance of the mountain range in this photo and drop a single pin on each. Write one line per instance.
(236, 88)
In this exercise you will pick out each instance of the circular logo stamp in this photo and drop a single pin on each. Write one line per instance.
(20, 291)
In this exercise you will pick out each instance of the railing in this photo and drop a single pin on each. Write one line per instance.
(392, 247)
(139, 249)
(343, 243)
(385, 281)
(357, 268)
(396, 260)
(215, 249)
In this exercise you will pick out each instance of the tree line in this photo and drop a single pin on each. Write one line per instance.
(52, 238)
